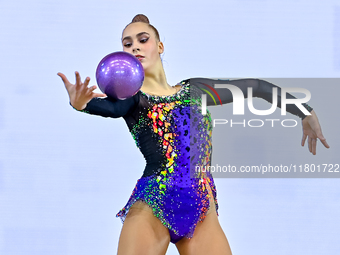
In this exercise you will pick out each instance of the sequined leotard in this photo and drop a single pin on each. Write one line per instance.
(174, 138)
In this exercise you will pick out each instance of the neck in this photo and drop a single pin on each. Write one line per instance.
(156, 81)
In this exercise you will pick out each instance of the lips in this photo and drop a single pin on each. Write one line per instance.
(139, 57)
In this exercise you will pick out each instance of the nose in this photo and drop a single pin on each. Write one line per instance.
(135, 49)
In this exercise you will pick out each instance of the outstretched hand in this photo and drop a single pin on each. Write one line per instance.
(311, 128)
(79, 93)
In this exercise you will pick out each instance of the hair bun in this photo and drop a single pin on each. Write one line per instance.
(140, 18)
(144, 19)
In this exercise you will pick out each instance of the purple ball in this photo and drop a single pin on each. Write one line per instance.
(120, 75)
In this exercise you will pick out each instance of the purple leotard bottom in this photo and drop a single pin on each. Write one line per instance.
(177, 192)
(179, 207)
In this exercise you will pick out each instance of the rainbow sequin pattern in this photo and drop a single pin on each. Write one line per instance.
(176, 194)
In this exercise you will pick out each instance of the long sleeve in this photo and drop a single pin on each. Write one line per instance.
(109, 107)
(260, 88)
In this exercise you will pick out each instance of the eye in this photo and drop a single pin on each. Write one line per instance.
(127, 45)
(144, 40)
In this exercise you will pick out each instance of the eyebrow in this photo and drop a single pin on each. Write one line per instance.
(139, 34)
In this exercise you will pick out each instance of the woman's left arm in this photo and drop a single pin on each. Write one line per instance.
(263, 89)
(260, 88)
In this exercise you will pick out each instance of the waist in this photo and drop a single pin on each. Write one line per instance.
(152, 169)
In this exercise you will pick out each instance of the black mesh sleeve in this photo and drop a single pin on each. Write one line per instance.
(109, 107)
(260, 88)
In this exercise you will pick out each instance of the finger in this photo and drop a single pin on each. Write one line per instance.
(314, 146)
(99, 95)
(304, 136)
(63, 77)
(310, 144)
(87, 81)
(78, 80)
(92, 88)
(323, 141)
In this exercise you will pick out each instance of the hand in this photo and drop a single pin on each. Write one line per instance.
(312, 129)
(79, 93)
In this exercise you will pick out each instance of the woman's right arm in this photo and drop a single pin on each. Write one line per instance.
(82, 98)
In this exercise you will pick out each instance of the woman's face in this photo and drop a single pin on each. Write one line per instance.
(140, 40)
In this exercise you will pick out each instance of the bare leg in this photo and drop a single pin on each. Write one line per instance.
(208, 237)
(143, 233)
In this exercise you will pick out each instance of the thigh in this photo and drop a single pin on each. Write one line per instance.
(142, 232)
(208, 237)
